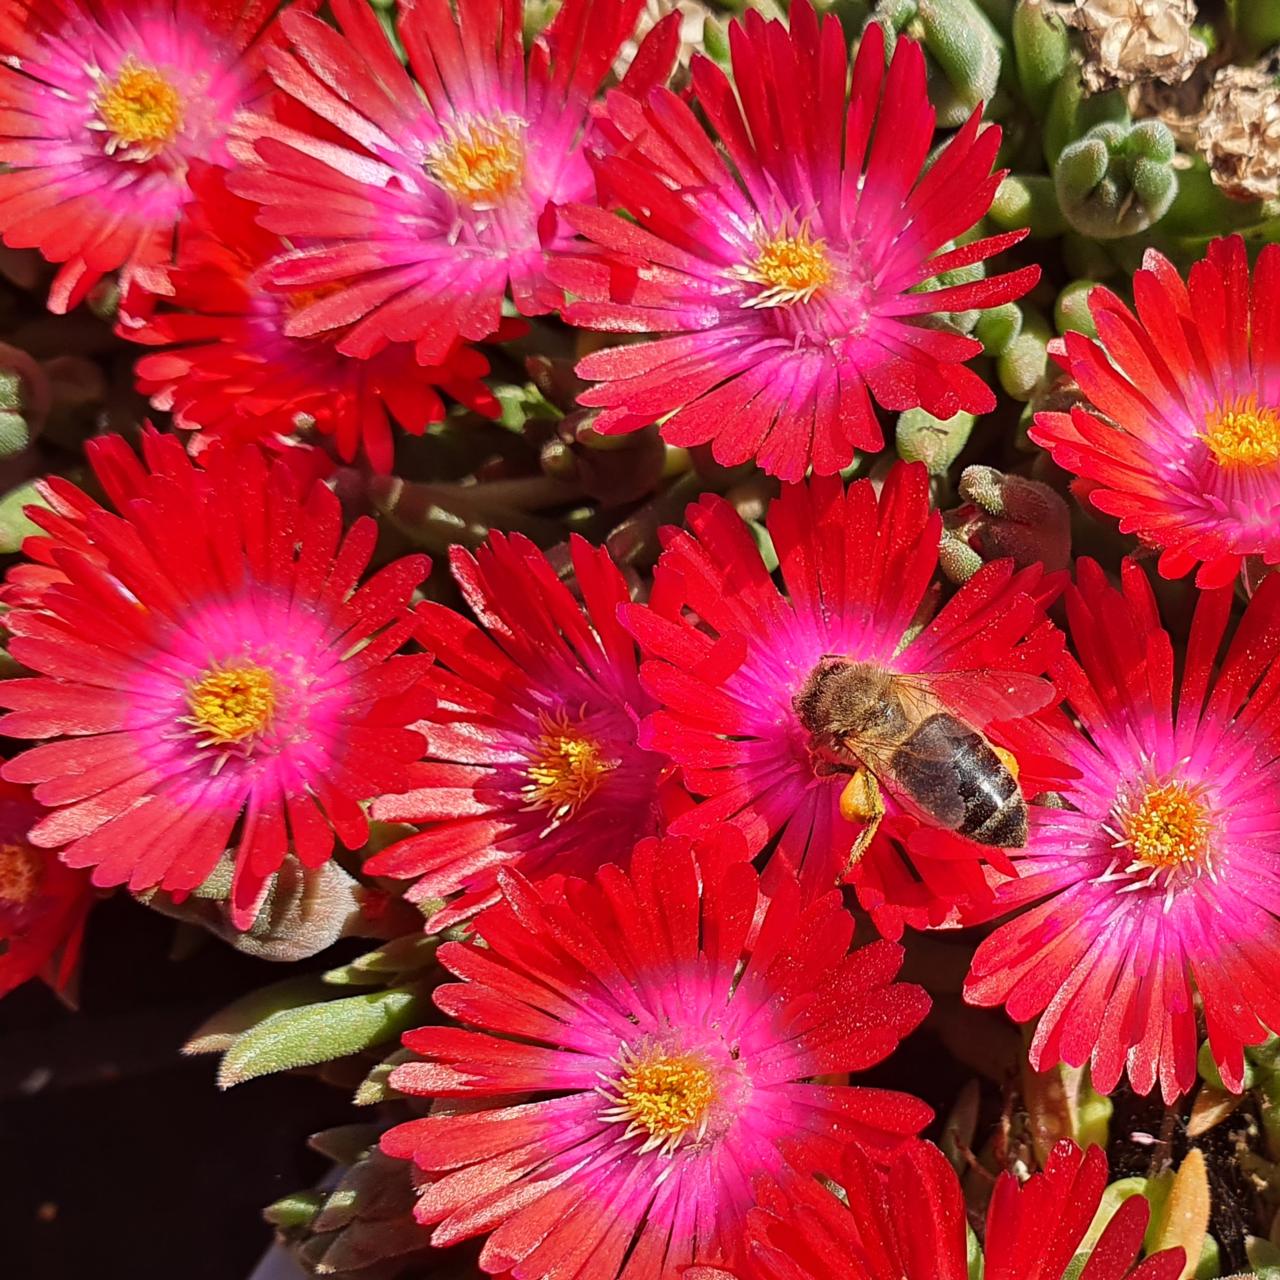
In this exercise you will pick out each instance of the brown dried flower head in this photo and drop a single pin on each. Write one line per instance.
(1130, 41)
(1239, 134)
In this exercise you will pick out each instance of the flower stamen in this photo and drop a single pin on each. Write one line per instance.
(667, 1096)
(21, 873)
(566, 767)
(479, 162)
(230, 705)
(1244, 435)
(792, 268)
(1160, 831)
(140, 108)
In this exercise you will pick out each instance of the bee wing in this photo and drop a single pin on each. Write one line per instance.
(981, 697)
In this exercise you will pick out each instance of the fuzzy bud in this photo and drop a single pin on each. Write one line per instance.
(1239, 134)
(1117, 181)
(965, 49)
(1129, 41)
(998, 327)
(1008, 515)
(1071, 310)
(1023, 363)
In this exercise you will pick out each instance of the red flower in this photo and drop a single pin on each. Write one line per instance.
(1181, 438)
(105, 104)
(786, 265)
(438, 194)
(232, 371)
(207, 656)
(727, 653)
(669, 1021)
(1157, 879)
(43, 904)
(532, 754)
(911, 1225)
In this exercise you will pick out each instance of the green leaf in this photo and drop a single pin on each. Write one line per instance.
(217, 1033)
(319, 1033)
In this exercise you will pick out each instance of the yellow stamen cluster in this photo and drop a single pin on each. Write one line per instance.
(565, 769)
(231, 704)
(479, 162)
(791, 267)
(1244, 435)
(667, 1096)
(139, 108)
(1170, 828)
(21, 873)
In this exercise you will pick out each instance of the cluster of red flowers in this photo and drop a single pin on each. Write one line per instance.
(643, 811)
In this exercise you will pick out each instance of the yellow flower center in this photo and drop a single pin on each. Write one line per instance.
(1170, 828)
(566, 768)
(1244, 435)
(667, 1096)
(21, 872)
(230, 704)
(140, 107)
(479, 162)
(792, 269)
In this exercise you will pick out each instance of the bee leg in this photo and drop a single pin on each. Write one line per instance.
(1008, 759)
(861, 801)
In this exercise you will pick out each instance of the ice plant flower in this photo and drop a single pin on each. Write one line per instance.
(532, 755)
(727, 653)
(105, 104)
(1158, 877)
(669, 1021)
(1180, 437)
(211, 659)
(43, 904)
(439, 195)
(911, 1225)
(787, 273)
(230, 370)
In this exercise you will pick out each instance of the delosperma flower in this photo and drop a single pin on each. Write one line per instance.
(1157, 877)
(105, 105)
(727, 654)
(668, 1023)
(789, 274)
(230, 370)
(1179, 436)
(911, 1225)
(532, 758)
(442, 192)
(210, 672)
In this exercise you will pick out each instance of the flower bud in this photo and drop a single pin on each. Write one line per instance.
(936, 442)
(1023, 363)
(1041, 50)
(1117, 181)
(1009, 516)
(998, 327)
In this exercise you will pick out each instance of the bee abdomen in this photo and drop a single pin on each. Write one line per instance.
(952, 772)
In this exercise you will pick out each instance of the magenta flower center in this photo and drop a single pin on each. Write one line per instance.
(663, 1094)
(1170, 827)
(479, 162)
(1244, 435)
(230, 705)
(566, 768)
(140, 108)
(792, 268)
(21, 871)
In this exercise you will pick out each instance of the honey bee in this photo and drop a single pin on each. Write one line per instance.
(920, 736)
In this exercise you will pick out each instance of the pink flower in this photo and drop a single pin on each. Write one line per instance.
(668, 1022)
(105, 103)
(207, 657)
(787, 268)
(532, 755)
(727, 653)
(1159, 874)
(437, 195)
(1180, 437)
